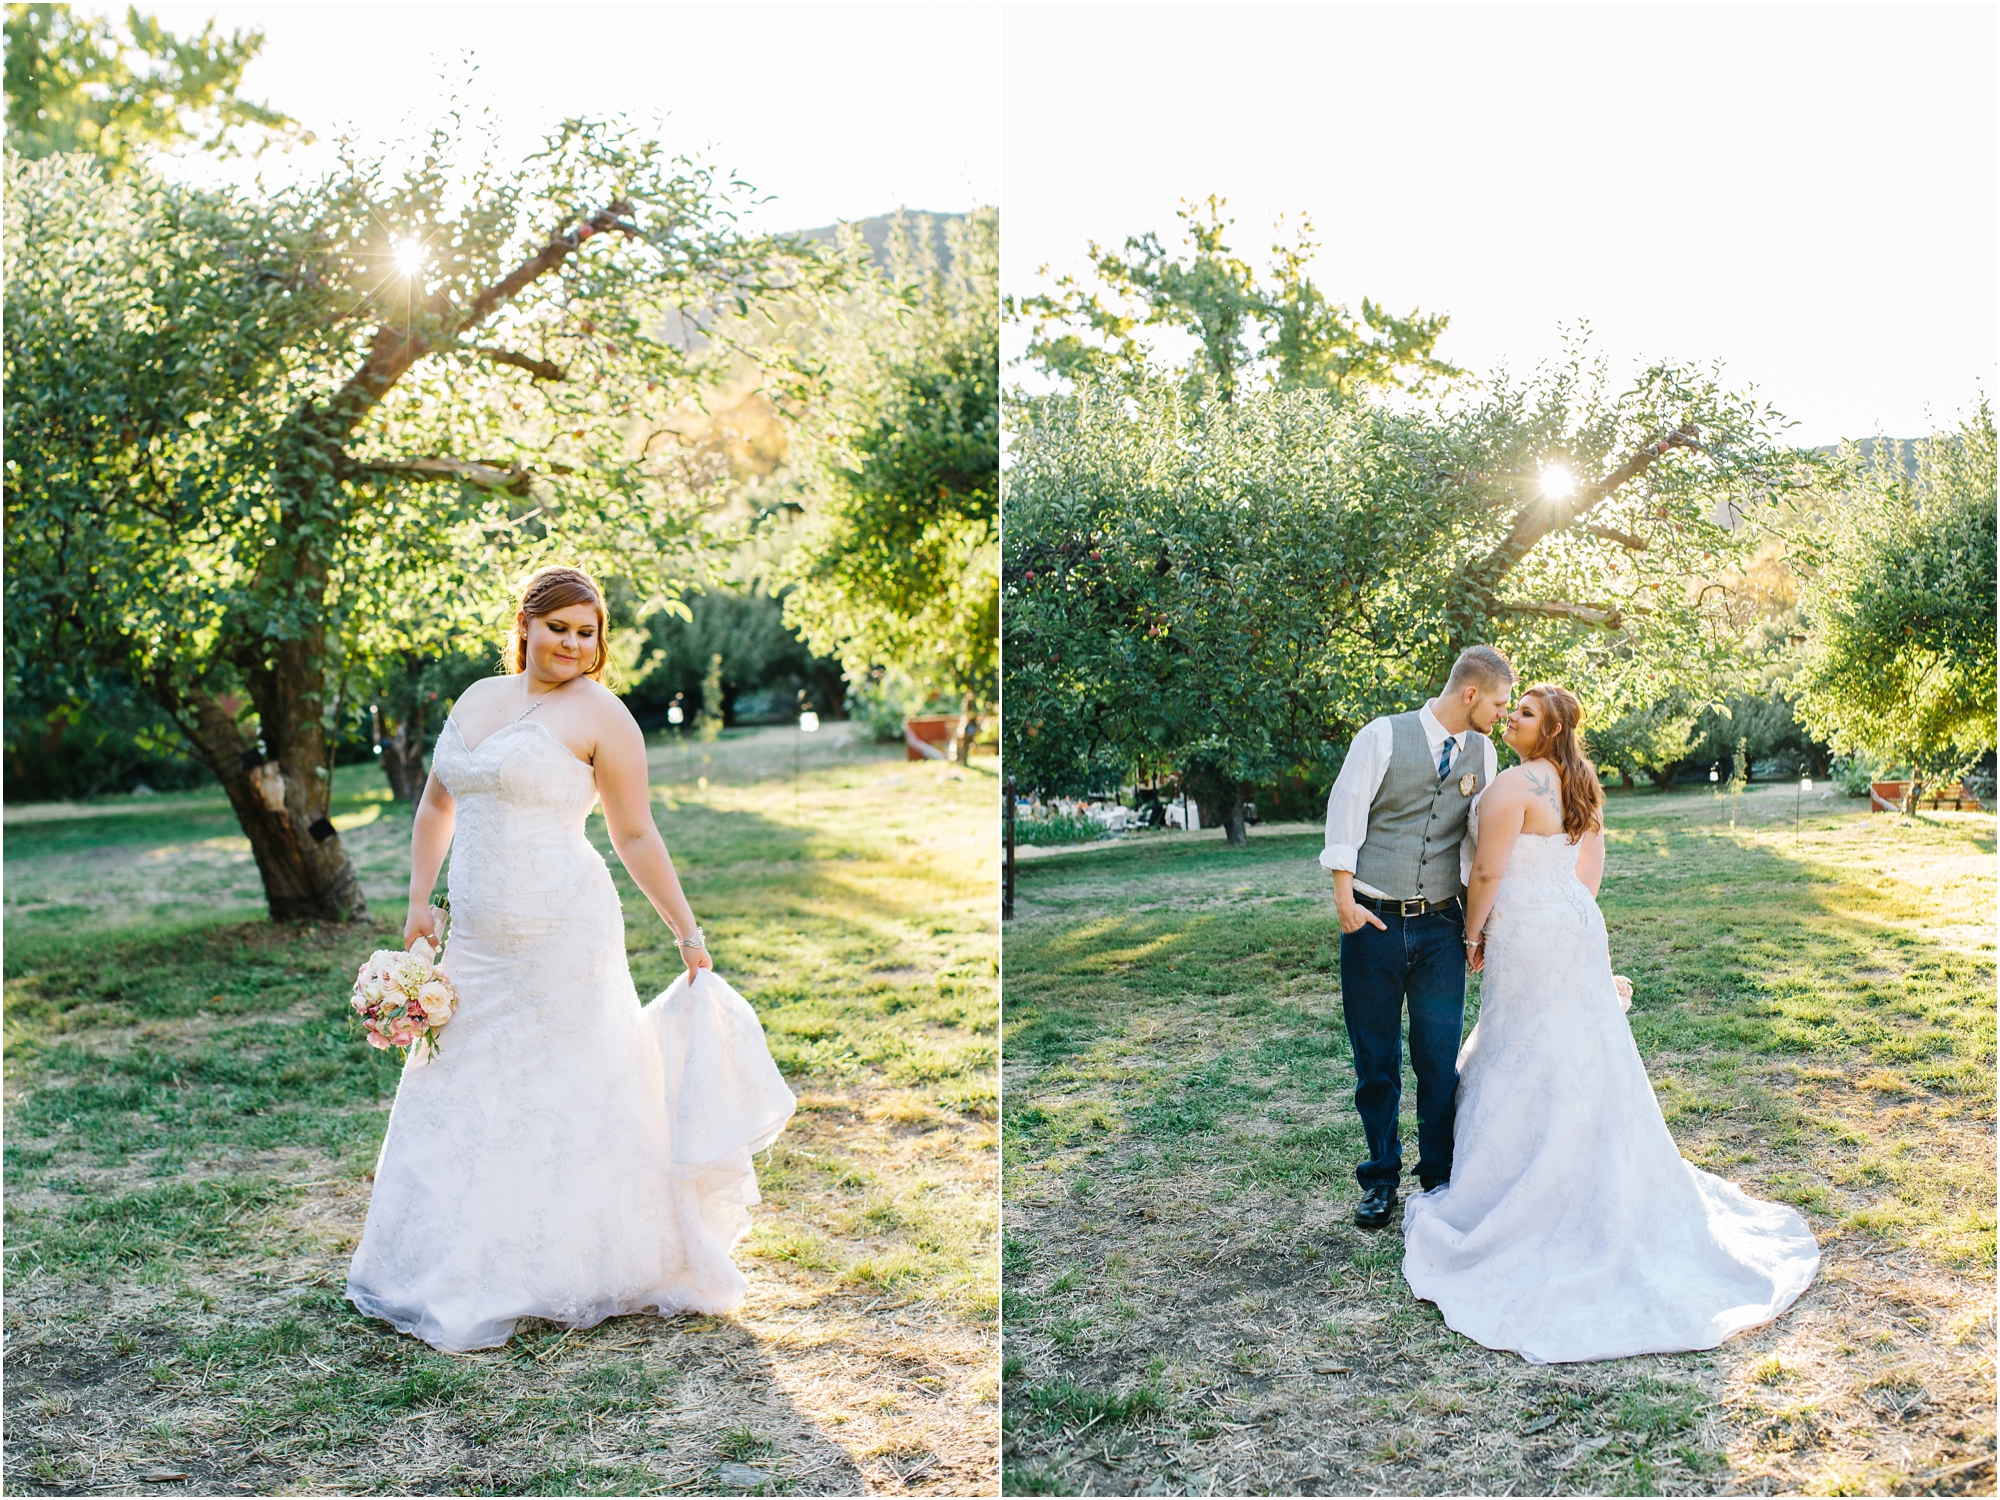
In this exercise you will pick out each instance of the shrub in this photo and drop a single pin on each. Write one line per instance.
(878, 708)
(1852, 773)
(1057, 828)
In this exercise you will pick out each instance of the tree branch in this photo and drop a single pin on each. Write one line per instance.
(510, 478)
(393, 351)
(607, 219)
(1609, 616)
(1535, 521)
(1622, 538)
(541, 369)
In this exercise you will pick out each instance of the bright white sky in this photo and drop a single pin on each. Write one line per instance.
(1804, 192)
(839, 110)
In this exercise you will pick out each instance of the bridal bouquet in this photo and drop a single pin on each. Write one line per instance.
(403, 998)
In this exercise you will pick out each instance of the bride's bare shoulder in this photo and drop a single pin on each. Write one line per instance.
(479, 690)
(606, 708)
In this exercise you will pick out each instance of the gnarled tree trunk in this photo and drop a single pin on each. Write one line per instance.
(281, 794)
(1235, 821)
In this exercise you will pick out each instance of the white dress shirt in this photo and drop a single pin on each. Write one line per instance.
(1361, 777)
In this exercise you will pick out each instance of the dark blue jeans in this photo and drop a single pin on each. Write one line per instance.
(1420, 960)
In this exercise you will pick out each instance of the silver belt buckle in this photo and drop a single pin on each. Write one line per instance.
(1403, 906)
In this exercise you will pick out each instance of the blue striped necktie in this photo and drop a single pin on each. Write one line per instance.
(1444, 759)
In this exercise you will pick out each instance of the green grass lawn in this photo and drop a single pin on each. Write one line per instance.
(1189, 1309)
(191, 1123)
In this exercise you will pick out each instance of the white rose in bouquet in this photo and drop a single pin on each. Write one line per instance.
(437, 1000)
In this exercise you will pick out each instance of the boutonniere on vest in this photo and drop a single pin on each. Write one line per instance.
(1466, 783)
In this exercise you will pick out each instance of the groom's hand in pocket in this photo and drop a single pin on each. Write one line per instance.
(1353, 915)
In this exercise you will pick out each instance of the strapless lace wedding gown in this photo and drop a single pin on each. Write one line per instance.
(1571, 1228)
(567, 1154)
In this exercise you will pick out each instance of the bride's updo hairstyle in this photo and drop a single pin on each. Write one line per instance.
(546, 591)
(1561, 718)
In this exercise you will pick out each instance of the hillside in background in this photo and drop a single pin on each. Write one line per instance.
(1905, 449)
(876, 231)
(684, 329)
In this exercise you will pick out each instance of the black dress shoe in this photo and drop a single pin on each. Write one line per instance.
(1376, 1204)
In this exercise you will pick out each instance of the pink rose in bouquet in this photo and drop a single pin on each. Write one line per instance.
(403, 998)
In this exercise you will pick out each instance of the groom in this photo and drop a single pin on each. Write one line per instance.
(1397, 846)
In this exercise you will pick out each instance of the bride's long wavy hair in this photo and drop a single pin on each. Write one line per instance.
(1562, 745)
(546, 591)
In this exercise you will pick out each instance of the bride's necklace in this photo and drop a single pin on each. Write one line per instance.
(535, 703)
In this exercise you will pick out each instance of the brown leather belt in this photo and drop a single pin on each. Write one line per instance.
(1411, 906)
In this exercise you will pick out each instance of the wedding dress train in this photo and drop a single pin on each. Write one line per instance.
(567, 1154)
(1571, 1228)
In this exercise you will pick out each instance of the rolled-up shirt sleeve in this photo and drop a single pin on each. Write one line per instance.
(1353, 793)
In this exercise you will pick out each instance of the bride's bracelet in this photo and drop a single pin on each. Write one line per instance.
(692, 942)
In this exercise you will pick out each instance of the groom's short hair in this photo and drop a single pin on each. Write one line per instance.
(1483, 666)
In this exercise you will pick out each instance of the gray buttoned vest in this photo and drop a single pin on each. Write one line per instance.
(1417, 820)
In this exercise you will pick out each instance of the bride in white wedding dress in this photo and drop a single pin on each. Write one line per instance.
(1571, 1228)
(566, 1154)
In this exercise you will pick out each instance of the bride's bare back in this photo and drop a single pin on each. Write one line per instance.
(1536, 786)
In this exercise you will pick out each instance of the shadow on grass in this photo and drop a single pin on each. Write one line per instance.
(323, 1398)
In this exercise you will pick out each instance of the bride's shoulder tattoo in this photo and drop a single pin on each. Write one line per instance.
(1544, 787)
